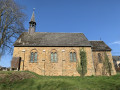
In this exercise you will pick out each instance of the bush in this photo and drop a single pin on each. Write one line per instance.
(82, 65)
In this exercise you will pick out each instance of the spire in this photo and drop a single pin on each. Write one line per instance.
(33, 16)
(32, 23)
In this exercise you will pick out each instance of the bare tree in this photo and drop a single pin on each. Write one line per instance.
(11, 24)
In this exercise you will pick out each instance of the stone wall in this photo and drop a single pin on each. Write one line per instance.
(99, 70)
(44, 66)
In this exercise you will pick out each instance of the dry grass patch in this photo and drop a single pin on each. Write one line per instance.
(15, 76)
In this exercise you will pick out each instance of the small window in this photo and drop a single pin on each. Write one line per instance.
(99, 58)
(73, 56)
(55, 59)
(33, 57)
(53, 56)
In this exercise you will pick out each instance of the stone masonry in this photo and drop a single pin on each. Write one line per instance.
(44, 66)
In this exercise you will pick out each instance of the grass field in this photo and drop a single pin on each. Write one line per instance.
(32, 81)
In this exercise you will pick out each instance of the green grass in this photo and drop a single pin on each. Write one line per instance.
(63, 83)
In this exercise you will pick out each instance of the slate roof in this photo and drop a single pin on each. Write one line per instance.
(52, 39)
(99, 46)
(116, 58)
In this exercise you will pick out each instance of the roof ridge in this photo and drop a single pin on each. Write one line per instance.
(95, 40)
(58, 32)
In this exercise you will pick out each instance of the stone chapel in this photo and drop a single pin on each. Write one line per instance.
(57, 54)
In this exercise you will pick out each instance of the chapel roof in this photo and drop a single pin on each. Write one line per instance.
(52, 39)
(99, 46)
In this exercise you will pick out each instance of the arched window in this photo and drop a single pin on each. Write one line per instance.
(33, 57)
(73, 57)
(99, 58)
(53, 56)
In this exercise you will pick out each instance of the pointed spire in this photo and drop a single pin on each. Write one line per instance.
(32, 24)
(33, 16)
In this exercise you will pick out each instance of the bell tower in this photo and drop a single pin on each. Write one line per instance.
(32, 24)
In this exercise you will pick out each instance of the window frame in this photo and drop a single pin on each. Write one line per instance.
(31, 57)
(35, 56)
(53, 58)
(74, 58)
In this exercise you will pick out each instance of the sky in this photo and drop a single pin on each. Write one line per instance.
(97, 19)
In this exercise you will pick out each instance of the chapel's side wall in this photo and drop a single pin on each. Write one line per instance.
(99, 70)
(44, 66)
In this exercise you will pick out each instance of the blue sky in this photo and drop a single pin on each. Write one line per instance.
(95, 18)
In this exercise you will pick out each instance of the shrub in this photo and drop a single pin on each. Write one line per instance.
(107, 65)
(82, 65)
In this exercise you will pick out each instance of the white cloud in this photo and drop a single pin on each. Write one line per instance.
(116, 42)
